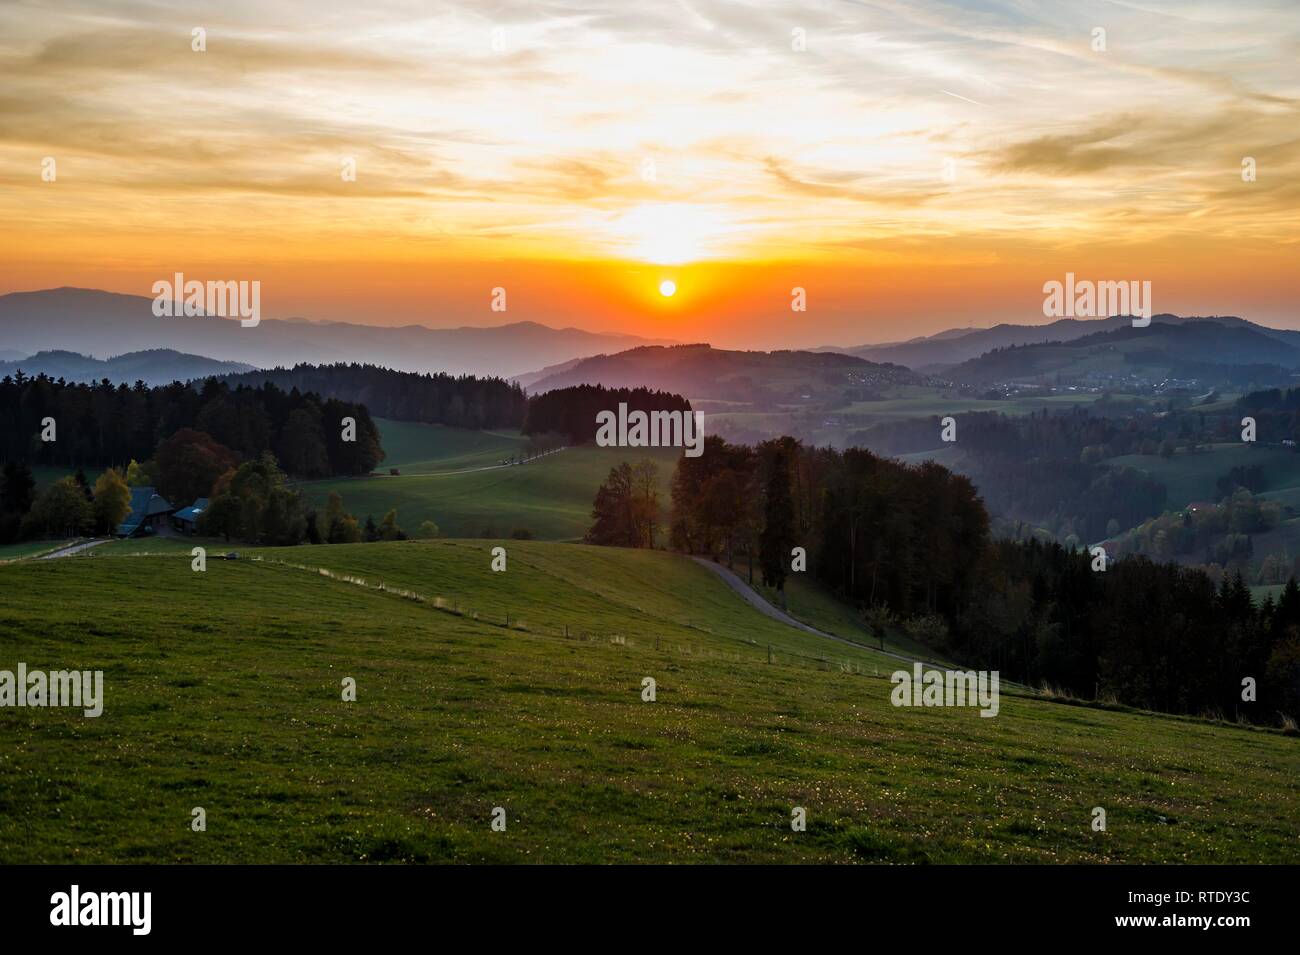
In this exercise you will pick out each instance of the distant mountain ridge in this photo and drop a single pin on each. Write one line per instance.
(100, 323)
(157, 366)
(1228, 353)
(933, 353)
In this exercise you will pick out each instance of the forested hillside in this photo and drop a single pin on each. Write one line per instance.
(572, 411)
(461, 401)
(108, 426)
(909, 546)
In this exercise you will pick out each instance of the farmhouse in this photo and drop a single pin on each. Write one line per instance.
(187, 518)
(149, 511)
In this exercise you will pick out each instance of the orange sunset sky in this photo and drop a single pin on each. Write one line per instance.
(913, 166)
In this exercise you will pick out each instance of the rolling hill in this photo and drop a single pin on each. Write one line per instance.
(934, 353)
(701, 371)
(455, 478)
(549, 497)
(1205, 351)
(222, 690)
(104, 323)
(433, 448)
(1192, 475)
(158, 366)
(532, 377)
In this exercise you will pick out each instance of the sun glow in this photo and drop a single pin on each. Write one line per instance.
(671, 233)
(667, 287)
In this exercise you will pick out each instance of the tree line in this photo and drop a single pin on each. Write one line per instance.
(878, 532)
(68, 508)
(107, 425)
(1155, 635)
(257, 504)
(460, 401)
(1052, 470)
(572, 411)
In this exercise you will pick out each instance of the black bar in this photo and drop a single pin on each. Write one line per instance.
(928, 905)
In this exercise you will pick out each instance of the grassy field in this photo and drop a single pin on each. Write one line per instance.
(25, 549)
(918, 403)
(1192, 476)
(138, 546)
(223, 691)
(431, 448)
(551, 497)
(950, 456)
(134, 547)
(1223, 401)
(45, 475)
(1282, 539)
(808, 601)
(1263, 591)
(840, 425)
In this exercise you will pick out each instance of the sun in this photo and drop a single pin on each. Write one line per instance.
(667, 287)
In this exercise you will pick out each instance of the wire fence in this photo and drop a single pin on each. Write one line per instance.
(746, 652)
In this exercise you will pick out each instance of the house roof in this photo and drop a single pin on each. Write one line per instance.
(192, 512)
(145, 502)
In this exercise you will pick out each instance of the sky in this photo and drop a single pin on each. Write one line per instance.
(911, 166)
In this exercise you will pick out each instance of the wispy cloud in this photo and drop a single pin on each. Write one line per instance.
(809, 129)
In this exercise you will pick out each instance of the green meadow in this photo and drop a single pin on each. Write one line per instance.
(45, 475)
(1191, 475)
(138, 546)
(839, 424)
(915, 402)
(25, 549)
(950, 456)
(223, 691)
(550, 497)
(417, 448)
